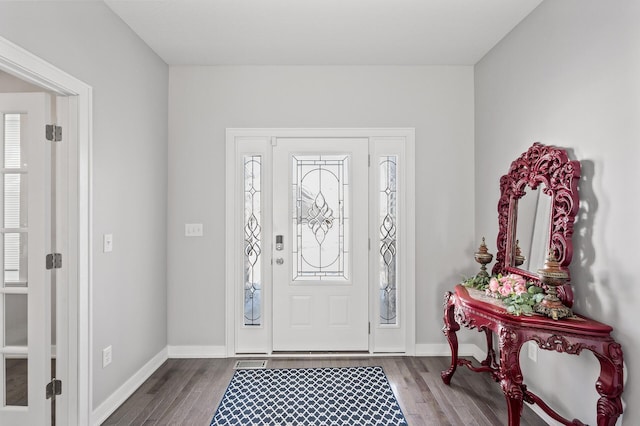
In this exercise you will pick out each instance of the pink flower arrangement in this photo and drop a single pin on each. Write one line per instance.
(518, 295)
(512, 284)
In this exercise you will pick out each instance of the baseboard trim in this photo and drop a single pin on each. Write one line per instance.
(464, 349)
(197, 352)
(117, 398)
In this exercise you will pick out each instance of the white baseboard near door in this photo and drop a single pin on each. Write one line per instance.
(197, 351)
(117, 398)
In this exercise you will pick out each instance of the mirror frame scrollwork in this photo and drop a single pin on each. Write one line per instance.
(550, 166)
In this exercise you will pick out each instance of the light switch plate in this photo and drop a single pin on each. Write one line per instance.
(107, 243)
(193, 230)
(106, 356)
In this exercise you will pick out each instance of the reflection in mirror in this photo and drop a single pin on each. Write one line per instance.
(532, 229)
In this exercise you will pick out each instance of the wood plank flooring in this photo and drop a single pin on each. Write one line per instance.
(188, 391)
(16, 386)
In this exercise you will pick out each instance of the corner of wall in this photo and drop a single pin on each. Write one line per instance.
(117, 398)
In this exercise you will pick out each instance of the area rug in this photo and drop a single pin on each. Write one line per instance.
(309, 396)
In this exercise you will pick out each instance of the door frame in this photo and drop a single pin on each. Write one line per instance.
(232, 259)
(75, 405)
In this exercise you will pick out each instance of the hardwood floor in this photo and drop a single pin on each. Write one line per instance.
(16, 376)
(16, 386)
(188, 391)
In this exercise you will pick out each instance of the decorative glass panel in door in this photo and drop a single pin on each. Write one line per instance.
(388, 251)
(252, 240)
(321, 217)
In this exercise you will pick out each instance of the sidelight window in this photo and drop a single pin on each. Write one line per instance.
(252, 240)
(387, 249)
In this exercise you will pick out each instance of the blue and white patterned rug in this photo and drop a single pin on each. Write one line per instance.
(309, 396)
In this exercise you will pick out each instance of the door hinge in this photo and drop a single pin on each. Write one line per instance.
(54, 387)
(369, 160)
(369, 244)
(53, 132)
(369, 327)
(54, 261)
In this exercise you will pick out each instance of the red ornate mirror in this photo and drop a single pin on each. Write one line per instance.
(546, 176)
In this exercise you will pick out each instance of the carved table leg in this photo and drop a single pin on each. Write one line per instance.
(610, 383)
(510, 374)
(491, 355)
(449, 329)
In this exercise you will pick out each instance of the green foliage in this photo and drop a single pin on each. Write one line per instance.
(477, 281)
(522, 304)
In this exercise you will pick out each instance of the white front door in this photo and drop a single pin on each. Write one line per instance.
(320, 228)
(25, 292)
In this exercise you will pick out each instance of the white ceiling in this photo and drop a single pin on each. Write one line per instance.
(322, 32)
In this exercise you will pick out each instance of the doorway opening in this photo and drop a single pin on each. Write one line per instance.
(72, 189)
(320, 231)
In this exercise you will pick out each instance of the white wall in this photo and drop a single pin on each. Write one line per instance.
(569, 75)
(203, 101)
(129, 171)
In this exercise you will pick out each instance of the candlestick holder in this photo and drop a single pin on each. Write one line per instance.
(552, 276)
(482, 256)
(518, 258)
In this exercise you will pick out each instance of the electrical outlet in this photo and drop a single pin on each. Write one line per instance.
(106, 356)
(193, 230)
(532, 351)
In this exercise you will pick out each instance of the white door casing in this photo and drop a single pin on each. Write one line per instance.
(74, 220)
(256, 145)
(31, 280)
(320, 283)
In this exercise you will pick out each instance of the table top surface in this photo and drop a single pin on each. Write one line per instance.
(478, 301)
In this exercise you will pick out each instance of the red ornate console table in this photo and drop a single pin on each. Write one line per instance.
(473, 310)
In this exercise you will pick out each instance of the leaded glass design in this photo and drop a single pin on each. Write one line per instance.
(252, 240)
(320, 217)
(388, 220)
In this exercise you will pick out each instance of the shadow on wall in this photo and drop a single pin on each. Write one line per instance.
(465, 268)
(584, 255)
(594, 296)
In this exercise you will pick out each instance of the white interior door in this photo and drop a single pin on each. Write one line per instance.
(320, 228)
(25, 292)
